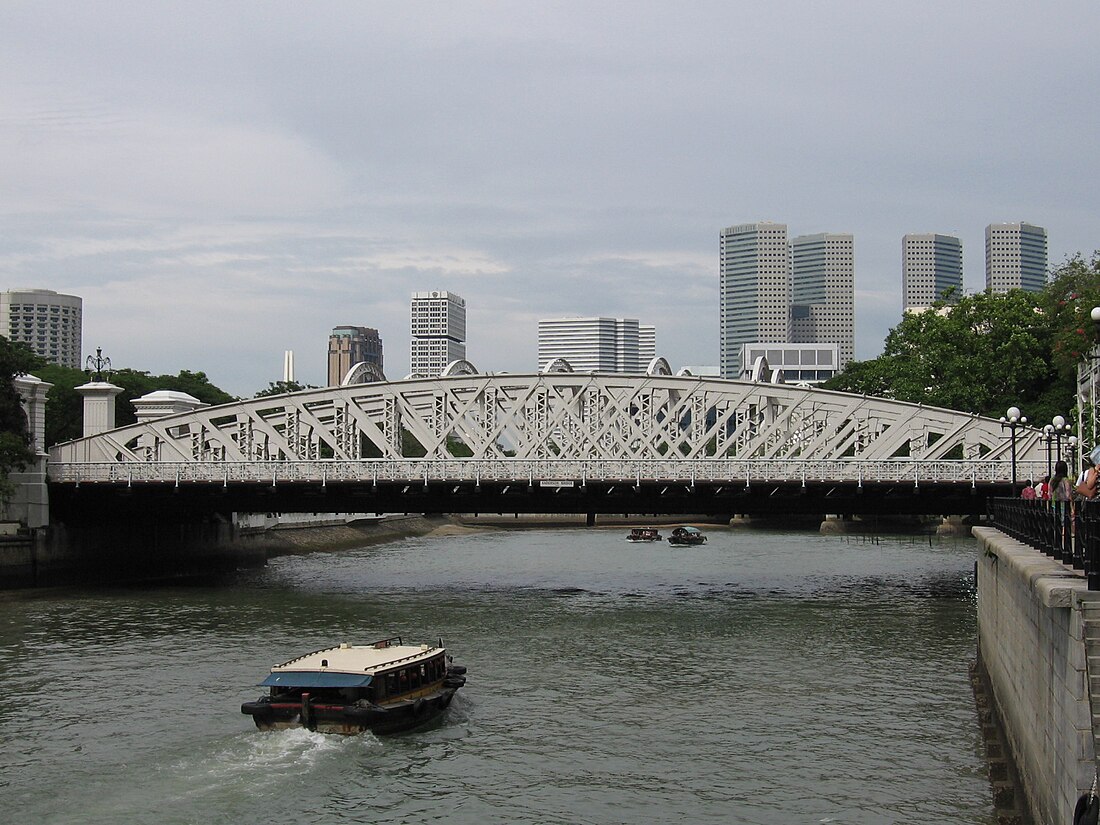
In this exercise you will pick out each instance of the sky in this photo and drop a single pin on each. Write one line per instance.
(224, 181)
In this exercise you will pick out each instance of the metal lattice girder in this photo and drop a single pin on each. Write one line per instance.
(562, 416)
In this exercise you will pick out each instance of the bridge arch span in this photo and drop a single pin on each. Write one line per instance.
(558, 415)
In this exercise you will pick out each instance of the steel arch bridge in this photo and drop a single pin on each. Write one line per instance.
(562, 430)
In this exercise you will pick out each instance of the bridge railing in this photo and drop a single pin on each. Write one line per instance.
(1068, 532)
(545, 471)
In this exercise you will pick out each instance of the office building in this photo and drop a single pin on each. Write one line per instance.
(348, 346)
(754, 286)
(823, 293)
(799, 363)
(597, 344)
(772, 291)
(438, 332)
(931, 270)
(46, 321)
(1015, 257)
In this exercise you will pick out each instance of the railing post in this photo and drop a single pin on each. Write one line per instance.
(1091, 543)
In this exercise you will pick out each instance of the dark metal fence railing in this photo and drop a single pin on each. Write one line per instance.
(1067, 531)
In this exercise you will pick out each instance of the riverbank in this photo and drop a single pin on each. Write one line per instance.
(286, 540)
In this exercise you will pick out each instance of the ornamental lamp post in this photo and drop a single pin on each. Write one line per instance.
(1072, 442)
(1060, 426)
(1048, 439)
(1013, 419)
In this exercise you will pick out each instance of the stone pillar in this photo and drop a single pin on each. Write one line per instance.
(99, 406)
(161, 404)
(30, 503)
(33, 392)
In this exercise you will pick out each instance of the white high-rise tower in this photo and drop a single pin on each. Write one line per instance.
(823, 292)
(754, 289)
(438, 332)
(1015, 257)
(931, 269)
(46, 321)
(597, 344)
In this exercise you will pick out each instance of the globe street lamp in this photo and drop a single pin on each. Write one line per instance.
(1013, 419)
(1060, 426)
(1072, 442)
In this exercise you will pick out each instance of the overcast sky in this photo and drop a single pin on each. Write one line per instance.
(223, 181)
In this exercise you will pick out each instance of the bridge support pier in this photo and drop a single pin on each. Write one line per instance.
(835, 526)
(953, 526)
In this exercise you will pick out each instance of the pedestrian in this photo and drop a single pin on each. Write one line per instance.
(1060, 489)
(1029, 491)
(1086, 482)
(1042, 489)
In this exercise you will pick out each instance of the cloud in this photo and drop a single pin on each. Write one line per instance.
(226, 181)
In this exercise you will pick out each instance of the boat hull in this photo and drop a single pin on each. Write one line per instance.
(325, 717)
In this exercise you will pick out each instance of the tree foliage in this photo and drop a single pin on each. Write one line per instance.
(283, 387)
(15, 440)
(989, 352)
(65, 406)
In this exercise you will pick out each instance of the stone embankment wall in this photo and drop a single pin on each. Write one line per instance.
(1035, 630)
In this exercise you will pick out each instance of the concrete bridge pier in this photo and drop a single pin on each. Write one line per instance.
(835, 525)
(953, 526)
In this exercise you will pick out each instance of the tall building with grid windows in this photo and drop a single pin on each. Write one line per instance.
(438, 332)
(931, 269)
(775, 291)
(823, 293)
(48, 322)
(348, 346)
(754, 289)
(1015, 257)
(597, 344)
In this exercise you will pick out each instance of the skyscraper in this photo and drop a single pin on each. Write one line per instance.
(438, 332)
(597, 344)
(46, 321)
(1015, 257)
(931, 268)
(823, 292)
(754, 286)
(348, 346)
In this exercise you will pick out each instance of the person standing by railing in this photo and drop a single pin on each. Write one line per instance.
(1061, 492)
(1086, 482)
(1042, 489)
(1061, 495)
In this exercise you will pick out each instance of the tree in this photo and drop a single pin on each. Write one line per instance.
(990, 352)
(15, 440)
(1073, 291)
(982, 355)
(65, 406)
(282, 387)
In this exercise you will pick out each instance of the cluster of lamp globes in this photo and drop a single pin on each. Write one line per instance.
(1057, 427)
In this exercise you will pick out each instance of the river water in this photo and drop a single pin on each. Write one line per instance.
(766, 677)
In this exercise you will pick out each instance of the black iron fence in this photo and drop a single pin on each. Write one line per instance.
(1067, 531)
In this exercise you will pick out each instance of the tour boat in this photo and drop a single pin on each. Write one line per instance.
(644, 534)
(687, 535)
(384, 687)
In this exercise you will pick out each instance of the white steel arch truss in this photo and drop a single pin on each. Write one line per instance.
(558, 415)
